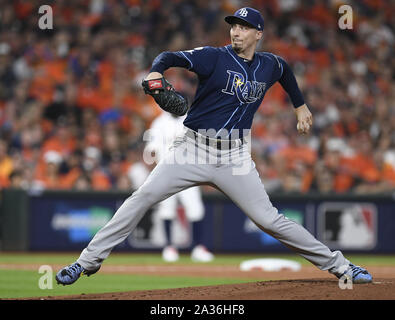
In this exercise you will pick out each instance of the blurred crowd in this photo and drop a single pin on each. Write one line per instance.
(73, 114)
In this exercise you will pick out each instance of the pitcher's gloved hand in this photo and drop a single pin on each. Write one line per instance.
(165, 96)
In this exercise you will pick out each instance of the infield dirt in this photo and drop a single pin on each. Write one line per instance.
(307, 284)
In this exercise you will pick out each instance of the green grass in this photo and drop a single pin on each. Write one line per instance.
(21, 283)
(152, 258)
(129, 258)
(24, 283)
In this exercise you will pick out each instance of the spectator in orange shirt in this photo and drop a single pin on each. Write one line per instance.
(16, 179)
(334, 160)
(6, 165)
(51, 177)
(71, 169)
(62, 140)
(82, 183)
(363, 161)
(323, 181)
(298, 150)
(92, 167)
(388, 167)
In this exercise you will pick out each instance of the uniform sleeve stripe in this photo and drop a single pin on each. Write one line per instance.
(229, 119)
(238, 63)
(245, 109)
(259, 63)
(187, 59)
(279, 64)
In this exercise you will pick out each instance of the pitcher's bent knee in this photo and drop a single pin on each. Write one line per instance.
(150, 194)
(270, 223)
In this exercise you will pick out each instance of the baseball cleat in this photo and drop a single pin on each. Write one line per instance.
(170, 254)
(201, 254)
(71, 273)
(357, 274)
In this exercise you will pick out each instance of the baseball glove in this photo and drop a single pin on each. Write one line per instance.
(165, 96)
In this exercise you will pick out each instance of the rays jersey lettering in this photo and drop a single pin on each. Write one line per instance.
(245, 91)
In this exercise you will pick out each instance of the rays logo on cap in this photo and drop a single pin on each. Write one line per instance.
(243, 12)
(251, 16)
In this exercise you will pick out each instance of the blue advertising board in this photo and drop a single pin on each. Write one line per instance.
(58, 221)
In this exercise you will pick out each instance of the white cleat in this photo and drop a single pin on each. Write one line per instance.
(201, 254)
(170, 254)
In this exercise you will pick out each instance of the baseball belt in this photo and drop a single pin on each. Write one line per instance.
(220, 144)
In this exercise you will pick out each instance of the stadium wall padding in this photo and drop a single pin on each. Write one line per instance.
(14, 220)
(67, 221)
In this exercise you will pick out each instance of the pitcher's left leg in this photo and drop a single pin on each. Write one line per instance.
(249, 194)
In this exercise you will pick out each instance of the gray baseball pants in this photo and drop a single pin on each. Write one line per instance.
(191, 162)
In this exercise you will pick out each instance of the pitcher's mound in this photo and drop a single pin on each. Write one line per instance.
(314, 289)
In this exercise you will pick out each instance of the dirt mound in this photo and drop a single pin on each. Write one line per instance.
(307, 284)
(313, 289)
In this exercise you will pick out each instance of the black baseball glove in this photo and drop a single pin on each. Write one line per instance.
(165, 96)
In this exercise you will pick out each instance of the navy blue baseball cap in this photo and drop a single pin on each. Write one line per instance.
(249, 15)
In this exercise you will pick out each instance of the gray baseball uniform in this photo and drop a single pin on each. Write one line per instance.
(195, 160)
(213, 149)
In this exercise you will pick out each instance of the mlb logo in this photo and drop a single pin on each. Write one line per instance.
(347, 225)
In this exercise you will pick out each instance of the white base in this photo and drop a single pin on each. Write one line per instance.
(270, 265)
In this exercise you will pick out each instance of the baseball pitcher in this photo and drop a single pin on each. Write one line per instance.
(214, 148)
